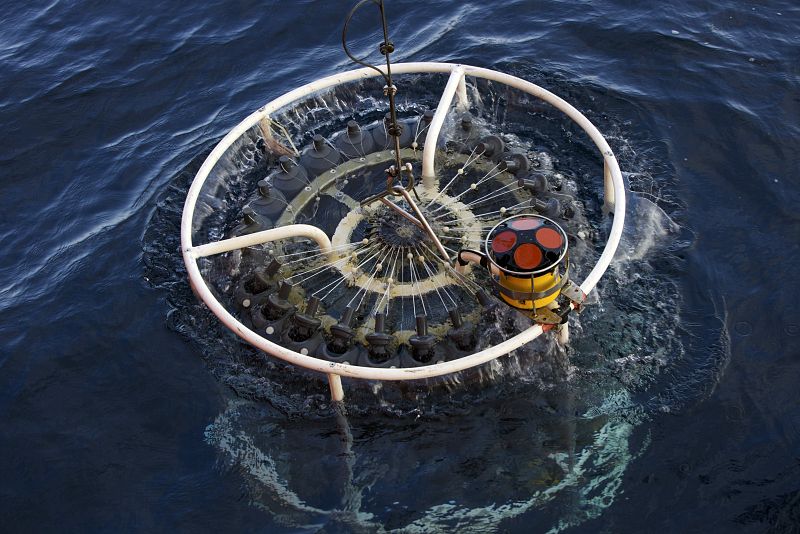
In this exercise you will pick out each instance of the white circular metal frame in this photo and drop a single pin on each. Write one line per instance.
(614, 201)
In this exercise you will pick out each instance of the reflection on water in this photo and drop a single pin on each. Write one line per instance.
(522, 461)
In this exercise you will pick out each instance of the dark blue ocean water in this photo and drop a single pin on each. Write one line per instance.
(113, 420)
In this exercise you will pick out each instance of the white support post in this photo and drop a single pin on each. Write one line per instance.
(563, 334)
(608, 189)
(462, 100)
(337, 391)
(432, 139)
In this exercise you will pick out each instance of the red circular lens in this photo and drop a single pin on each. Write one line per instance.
(549, 238)
(504, 241)
(527, 256)
(525, 223)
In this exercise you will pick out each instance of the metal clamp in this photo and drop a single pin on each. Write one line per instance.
(575, 294)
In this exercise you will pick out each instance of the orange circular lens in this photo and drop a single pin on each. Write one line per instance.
(549, 238)
(525, 223)
(527, 256)
(504, 241)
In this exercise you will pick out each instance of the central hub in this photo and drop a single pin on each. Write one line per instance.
(394, 236)
(395, 230)
(405, 232)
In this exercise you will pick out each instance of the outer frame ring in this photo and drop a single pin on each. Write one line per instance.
(614, 189)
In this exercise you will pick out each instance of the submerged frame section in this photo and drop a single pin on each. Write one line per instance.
(614, 202)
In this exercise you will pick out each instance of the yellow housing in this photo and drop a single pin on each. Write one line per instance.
(519, 284)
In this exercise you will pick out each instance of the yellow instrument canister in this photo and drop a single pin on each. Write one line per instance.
(530, 256)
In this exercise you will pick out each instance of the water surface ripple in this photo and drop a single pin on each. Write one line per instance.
(679, 412)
